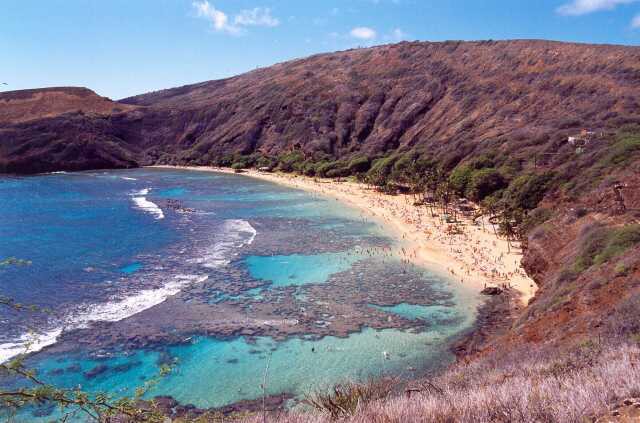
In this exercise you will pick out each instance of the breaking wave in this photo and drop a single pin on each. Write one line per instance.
(232, 235)
(236, 233)
(111, 311)
(140, 200)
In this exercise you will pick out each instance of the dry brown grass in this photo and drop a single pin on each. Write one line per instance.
(527, 386)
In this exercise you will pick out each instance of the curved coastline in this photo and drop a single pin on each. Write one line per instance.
(477, 258)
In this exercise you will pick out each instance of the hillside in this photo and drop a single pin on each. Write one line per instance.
(544, 136)
(28, 105)
(453, 98)
(64, 128)
(450, 97)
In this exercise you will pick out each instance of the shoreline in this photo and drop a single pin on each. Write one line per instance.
(477, 258)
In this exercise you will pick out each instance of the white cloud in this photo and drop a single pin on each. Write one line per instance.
(363, 33)
(256, 17)
(582, 7)
(220, 21)
(635, 22)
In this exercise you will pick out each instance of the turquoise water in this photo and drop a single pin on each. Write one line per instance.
(131, 268)
(110, 247)
(212, 373)
(419, 312)
(296, 269)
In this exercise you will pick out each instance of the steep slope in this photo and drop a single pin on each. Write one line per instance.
(453, 96)
(25, 105)
(63, 128)
(494, 116)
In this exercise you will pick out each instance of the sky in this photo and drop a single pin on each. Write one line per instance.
(121, 48)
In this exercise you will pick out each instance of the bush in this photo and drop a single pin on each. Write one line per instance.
(621, 152)
(291, 161)
(460, 178)
(619, 241)
(359, 165)
(263, 161)
(604, 244)
(346, 399)
(380, 170)
(535, 218)
(483, 183)
(526, 191)
(323, 168)
(338, 172)
(593, 244)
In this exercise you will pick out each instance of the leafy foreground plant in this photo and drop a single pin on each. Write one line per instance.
(346, 399)
(30, 390)
(74, 402)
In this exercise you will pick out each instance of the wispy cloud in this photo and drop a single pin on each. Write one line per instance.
(220, 20)
(257, 16)
(635, 22)
(363, 33)
(582, 7)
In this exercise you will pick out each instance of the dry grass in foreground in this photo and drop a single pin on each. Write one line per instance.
(528, 386)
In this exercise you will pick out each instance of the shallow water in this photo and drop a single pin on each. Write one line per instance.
(297, 269)
(113, 246)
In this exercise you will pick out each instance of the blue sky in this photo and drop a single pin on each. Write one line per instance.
(125, 47)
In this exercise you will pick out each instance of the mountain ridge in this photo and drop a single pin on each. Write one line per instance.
(495, 116)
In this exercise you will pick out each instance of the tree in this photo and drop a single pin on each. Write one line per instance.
(483, 183)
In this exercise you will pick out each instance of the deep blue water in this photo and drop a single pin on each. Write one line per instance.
(104, 246)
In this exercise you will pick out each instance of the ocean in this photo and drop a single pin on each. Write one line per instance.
(217, 275)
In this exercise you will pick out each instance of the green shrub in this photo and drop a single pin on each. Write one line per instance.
(380, 170)
(239, 165)
(460, 178)
(309, 168)
(359, 165)
(483, 183)
(264, 161)
(593, 244)
(526, 191)
(482, 162)
(346, 399)
(619, 241)
(535, 218)
(323, 168)
(604, 244)
(621, 269)
(291, 161)
(338, 172)
(621, 152)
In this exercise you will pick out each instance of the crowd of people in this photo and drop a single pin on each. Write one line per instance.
(469, 250)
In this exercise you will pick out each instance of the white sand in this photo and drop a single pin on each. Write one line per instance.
(477, 256)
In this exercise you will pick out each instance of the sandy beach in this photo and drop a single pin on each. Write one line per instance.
(476, 256)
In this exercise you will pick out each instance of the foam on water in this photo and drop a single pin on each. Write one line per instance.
(234, 234)
(111, 311)
(28, 342)
(237, 233)
(142, 203)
